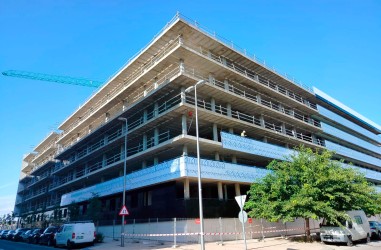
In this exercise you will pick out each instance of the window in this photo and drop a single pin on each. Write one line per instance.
(358, 219)
(147, 199)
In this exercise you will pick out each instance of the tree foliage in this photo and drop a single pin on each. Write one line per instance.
(309, 184)
(94, 209)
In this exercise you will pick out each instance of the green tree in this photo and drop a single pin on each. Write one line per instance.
(73, 209)
(309, 184)
(94, 209)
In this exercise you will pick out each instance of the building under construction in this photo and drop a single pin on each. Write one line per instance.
(248, 115)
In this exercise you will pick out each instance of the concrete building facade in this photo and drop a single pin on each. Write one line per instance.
(248, 115)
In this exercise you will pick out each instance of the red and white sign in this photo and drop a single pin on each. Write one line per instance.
(123, 211)
(250, 220)
(197, 221)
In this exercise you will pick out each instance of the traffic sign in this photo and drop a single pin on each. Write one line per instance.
(240, 200)
(123, 211)
(250, 220)
(242, 216)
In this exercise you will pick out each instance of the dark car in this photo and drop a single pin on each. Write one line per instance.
(10, 234)
(18, 233)
(34, 237)
(3, 234)
(24, 236)
(47, 238)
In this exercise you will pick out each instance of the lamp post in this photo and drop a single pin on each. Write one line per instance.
(124, 177)
(198, 166)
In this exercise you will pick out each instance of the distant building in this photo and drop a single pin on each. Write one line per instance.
(240, 94)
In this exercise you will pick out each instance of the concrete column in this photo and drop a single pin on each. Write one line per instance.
(155, 84)
(265, 139)
(262, 120)
(124, 104)
(294, 132)
(156, 107)
(283, 127)
(145, 114)
(223, 60)
(182, 95)
(229, 109)
(107, 117)
(281, 108)
(90, 128)
(144, 164)
(156, 136)
(237, 189)
(184, 128)
(78, 136)
(231, 130)
(226, 84)
(211, 78)
(144, 141)
(216, 156)
(287, 146)
(104, 161)
(220, 191)
(186, 189)
(145, 91)
(215, 132)
(185, 150)
(259, 98)
(155, 160)
(234, 159)
(314, 139)
(122, 151)
(182, 67)
(105, 139)
(102, 179)
(121, 172)
(213, 104)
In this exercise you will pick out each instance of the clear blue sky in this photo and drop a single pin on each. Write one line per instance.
(333, 45)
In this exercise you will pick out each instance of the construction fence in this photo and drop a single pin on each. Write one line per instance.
(215, 230)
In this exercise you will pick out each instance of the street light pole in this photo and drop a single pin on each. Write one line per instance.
(124, 177)
(201, 213)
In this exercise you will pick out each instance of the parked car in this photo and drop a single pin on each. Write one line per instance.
(375, 229)
(35, 235)
(47, 238)
(354, 230)
(4, 233)
(10, 234)
(25, 235)
(18, 233)
(72, 234)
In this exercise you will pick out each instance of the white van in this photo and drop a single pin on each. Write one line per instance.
(354, 230)
(75, 233)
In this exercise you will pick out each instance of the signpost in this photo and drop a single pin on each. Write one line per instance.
(242, 216)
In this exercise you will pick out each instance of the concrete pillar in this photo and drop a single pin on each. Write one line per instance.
(281, 108)
(287, 146)
(294, 132)
(124, 104)
(216, 156)
(220, 191)
(182, 67)
(121, 172)
(155, 160)
(213, 104)
(184, 128)
(182, 95)
(107, 117)
(229, 109)
(234, 159)
(226, 84)
(314, 139)
(156, 107)
(102, 179)
(145, 115)
(231, 130)
(122, 151)
(155, 84)
(211, 78)
(185, 150)
(78, 136)
(265, 139)
(104, 161)
(186, 189)
(283, 128)
(156, 136)
(144, 141)
(223, 60)
(237, 189)
(90, 128)
(262, 120)
(259, 98)
(215, 132)
(144, 164)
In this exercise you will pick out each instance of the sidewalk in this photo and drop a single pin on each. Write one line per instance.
(268, 244)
